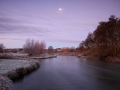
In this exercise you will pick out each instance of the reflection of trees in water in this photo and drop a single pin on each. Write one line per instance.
(109, 78)
(104, 75)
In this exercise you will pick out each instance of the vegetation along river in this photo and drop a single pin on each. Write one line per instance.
(72, 73)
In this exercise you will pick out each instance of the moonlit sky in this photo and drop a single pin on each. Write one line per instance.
(43, 20)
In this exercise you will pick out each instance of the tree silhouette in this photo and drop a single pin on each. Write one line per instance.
(50, 49)
(1, 48)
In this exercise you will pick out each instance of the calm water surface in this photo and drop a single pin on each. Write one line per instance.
(72, 73)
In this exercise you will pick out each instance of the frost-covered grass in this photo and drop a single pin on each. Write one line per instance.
(14, 69)
(12, 55)
(19, 55)
(44, 56)
(6, 83)
(9, 64)
(5, 56)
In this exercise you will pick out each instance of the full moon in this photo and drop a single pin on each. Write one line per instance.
(60, 9)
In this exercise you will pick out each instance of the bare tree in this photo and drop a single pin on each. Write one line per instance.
(34, 47)
(42, 47)
(29, 46)
(50, 49)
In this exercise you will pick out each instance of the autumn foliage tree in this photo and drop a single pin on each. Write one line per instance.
(105, 40)
(33, 47)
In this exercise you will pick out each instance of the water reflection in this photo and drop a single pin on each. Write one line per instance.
(72, 73)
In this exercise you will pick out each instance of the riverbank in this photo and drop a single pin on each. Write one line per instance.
(15, 69)
(44, 56)
(80, 55)
(73, 54)
(18, 56)
(6, 83)
(69, 53)
(72, 73)
(108, 59)
(16, 65)
(113, 59)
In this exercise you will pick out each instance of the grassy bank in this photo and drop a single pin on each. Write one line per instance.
(11, 69)
(6, 83)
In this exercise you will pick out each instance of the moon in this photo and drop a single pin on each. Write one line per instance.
(60, 9)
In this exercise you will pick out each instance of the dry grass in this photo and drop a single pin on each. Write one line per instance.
(6, 56)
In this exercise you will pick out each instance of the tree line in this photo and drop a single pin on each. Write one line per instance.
(104, 41)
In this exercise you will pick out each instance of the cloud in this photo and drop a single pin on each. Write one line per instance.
(23, 23)
(48, 39)
(69, 40)
(66, 39)
(8, 12)
(9, 20)
(78, 23)
(22, 29)
(13, 25)
(32, 25)
(13, 39)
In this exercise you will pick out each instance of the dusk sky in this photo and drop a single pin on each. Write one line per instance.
(60, 23)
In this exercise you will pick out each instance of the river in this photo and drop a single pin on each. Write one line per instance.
(72, 73)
